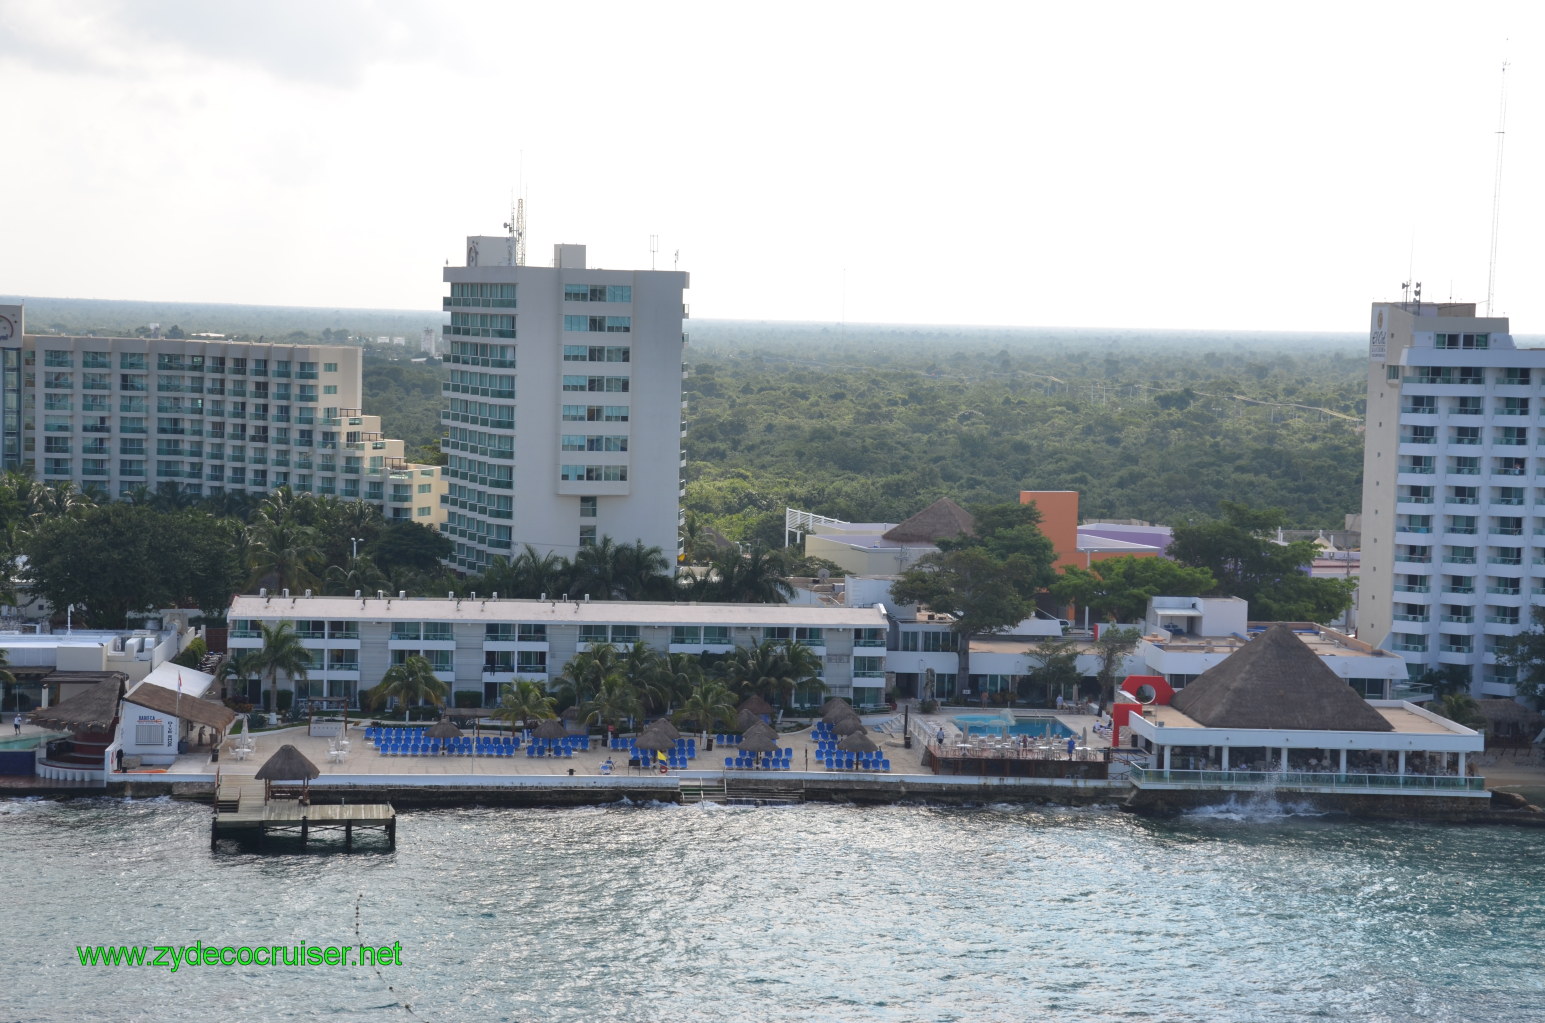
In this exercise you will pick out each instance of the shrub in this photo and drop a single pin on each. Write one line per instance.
(256, 721)
(464, 698)
(928, 707)
(192, 654)
(286, 701)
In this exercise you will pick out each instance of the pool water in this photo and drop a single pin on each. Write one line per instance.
(1001, 724)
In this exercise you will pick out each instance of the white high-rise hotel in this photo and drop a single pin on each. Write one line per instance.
(563, 404)
(1453, 488)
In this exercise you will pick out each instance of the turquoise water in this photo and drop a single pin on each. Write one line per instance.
(808, 913)
(995, 724)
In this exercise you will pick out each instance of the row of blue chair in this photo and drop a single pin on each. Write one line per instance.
(534, 750)
(685, 748)
(856, 762)
(579, 742)
(780, 761)
(434, 748)
(727, 739)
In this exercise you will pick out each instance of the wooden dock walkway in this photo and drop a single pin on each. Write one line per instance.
(242, 813)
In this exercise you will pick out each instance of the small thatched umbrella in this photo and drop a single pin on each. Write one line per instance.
(761, 728)
(756, 705)
(663, 726)
(744, 719)
(857, 742)
(848, 725)
(289, 764)
(552, 728)
(835, 708)
(443, 729)
(759, 742)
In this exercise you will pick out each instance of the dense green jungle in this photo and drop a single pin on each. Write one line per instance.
(872, 422)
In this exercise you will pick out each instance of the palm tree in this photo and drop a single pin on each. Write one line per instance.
(1461, 709)
(6, 679)
(524, 702)
(755, 578)
(597, 572)
(531, 574)
(360, 574)
(647, 672)
(412, 681)
(283, 553)
(238, 668)
(613, 703)
(282, 650)
(588, 672)
(709, 705)
(643, 573)
(774, 669)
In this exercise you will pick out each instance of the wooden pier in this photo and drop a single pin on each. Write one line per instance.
(242, 812)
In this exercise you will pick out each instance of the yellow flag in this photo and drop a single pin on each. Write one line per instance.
(660, 755)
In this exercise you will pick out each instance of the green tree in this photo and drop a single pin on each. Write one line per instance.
(1525, 651)
(285, 554)
(1459, 708)
(407, 544)
(236, 670)
(1118, 589)
(588, 672)
(524, 702)
(711, 705)
(1242, 554)
(614, 703)
(1110, 648)
(412, 682)
(735, 578)
(113, 559)
(282, 651)
(6, 681)
(987, 580)
(1056, 671)
(772, 669)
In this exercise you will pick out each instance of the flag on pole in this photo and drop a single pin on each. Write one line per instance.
(659, 754)
(179, 682)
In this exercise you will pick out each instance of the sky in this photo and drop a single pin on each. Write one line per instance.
(1175, 165)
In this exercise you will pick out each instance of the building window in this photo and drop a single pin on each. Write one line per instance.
(594, 473)
(587, 507)
(686, 635)
(716, 635)
(595, 413)
(587, 536)
(531, 633)
(598, 292)
(598, 324)
(584, 383)
(1476, 341)
(531, 662)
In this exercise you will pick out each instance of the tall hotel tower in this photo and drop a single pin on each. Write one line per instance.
(1453, 488)
(563, 404)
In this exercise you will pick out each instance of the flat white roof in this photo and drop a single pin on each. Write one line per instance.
(599, 612)
(194, 683)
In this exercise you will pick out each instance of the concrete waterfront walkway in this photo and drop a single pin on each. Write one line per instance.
(363, 762)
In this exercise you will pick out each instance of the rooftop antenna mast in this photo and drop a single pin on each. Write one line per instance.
(654, 247)
(1496, 194)
(517, 228)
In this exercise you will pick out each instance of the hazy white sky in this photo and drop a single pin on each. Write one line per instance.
(1048, 164)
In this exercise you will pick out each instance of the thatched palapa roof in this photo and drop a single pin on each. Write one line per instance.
(189, 708)
(1276, 681)
(848, 725)
(835, 708)
(94, 709)
(942, 520)
(758, 742)
(289, 764)
(756, 705)
(552, 728)
(858, 742)
(443, 729)
(664, 727)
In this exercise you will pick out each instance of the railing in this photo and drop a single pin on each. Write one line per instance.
(1298, 779)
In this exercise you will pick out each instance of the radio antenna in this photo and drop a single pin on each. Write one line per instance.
(1496, 195)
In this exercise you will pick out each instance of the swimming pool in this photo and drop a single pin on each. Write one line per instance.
(1007, 724)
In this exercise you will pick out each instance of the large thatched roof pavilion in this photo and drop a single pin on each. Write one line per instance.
(1273, 709)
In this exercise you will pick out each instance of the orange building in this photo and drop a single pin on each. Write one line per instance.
(1059, 521)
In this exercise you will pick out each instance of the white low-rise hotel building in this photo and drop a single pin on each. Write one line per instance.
(478, 645)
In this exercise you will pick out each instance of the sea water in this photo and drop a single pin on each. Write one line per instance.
(1242, 912)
